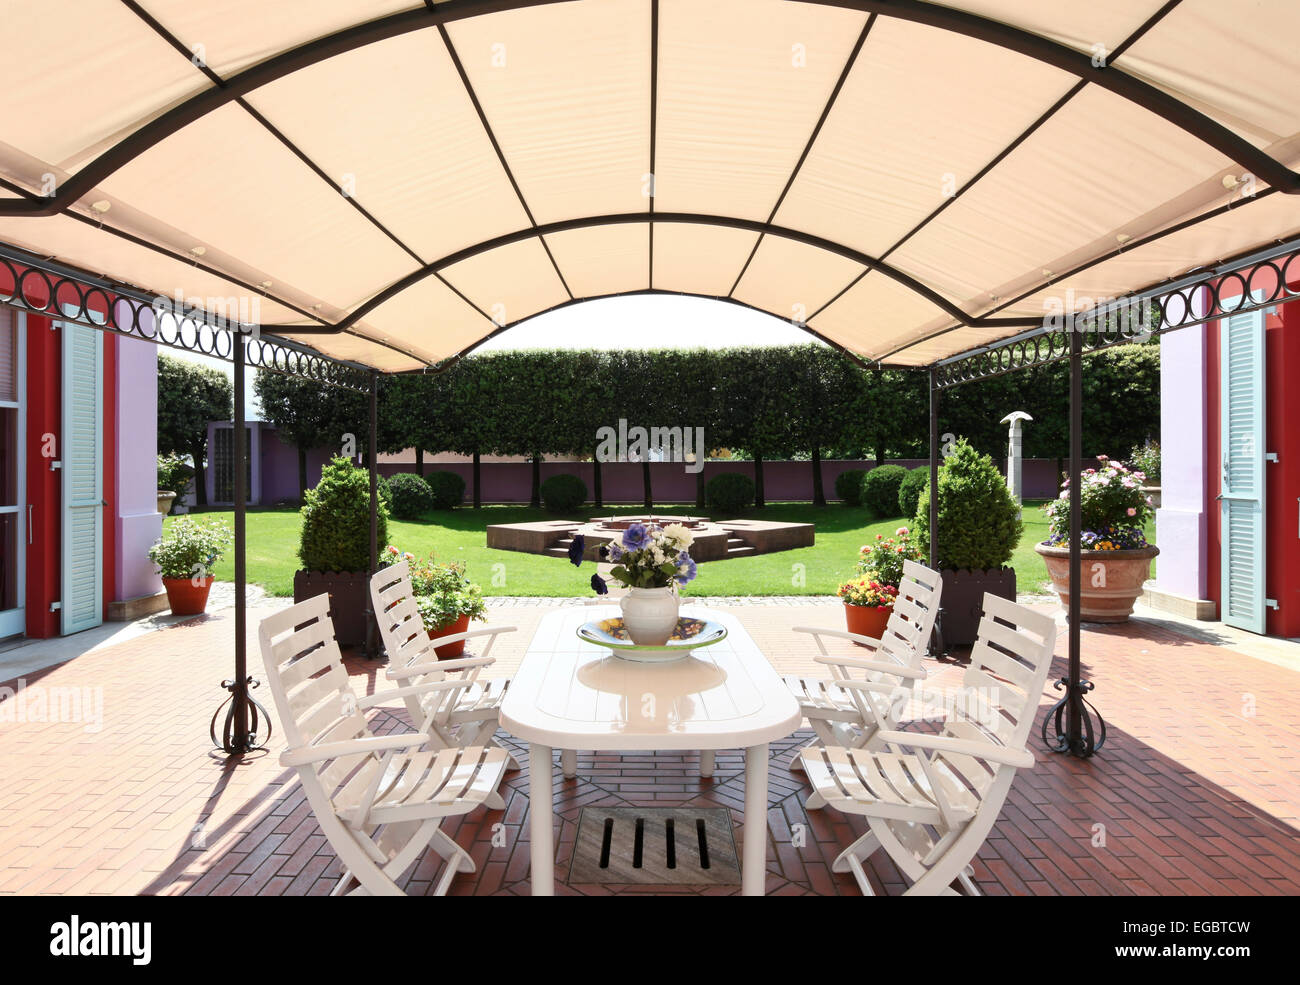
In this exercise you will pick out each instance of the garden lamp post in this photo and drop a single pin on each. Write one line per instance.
(1015, 449)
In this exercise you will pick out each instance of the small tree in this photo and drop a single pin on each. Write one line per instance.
(189, 396)
(979, 521)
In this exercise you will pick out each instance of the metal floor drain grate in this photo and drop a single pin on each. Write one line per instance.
(655, 845)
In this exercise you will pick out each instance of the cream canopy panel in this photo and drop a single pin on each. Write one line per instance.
(212, 179)
(1250, 85)
(1080, 25)
(898, 144)
(566, 91)
(431, 320)
(509, 283)
(354, 348)
(430, 176)
(602, 260)
(793, 280)
(88, 91)
(699, 259)
(875, 315)
(1084, 178)
(232, 35)
(741, 86)
(72, 242)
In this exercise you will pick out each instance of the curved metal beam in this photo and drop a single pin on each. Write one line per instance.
(237, 86)
(1067, 59)
(1006, 36)
(623, 218)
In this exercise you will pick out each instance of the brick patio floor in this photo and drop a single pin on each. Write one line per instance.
(1197, 790)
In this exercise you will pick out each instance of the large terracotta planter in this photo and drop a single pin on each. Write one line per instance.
(867, 620)
(452, 650)
(1112, 580)
(185, 597)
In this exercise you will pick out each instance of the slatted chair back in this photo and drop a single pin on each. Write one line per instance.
(398, 616)
(1008, 670)
(908, 631)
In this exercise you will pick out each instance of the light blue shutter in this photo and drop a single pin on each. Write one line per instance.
(82, 452)
(1241, 501)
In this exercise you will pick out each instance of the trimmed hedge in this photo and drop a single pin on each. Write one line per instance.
(848, 486)
(448, 489)
(916, 481)
(335, 532)
(880, 489)
(730, 492)
(411, 495)
(563, 493)
(979, 519)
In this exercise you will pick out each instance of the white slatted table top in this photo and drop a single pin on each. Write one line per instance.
(569, 694)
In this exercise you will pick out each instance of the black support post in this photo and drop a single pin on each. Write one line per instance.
(937, 647)
(372, 458)
(1077, 736)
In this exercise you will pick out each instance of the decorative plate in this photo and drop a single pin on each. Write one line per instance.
(689, 634)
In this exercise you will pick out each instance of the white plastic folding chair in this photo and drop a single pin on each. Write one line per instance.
(865, 696)
(464, 714)
(379, 799)
(930, 800)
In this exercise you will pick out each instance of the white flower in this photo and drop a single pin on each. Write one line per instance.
(657, 554)
(678, 533)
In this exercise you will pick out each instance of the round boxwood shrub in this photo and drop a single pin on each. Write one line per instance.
(880, 489)
(336, 520)
(848, 486)
(909, 492)
(411, 496)
(563, 493)
(729, 493)
(979, 521)
(448, 489)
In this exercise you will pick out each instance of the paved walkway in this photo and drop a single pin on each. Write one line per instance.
(1197, 790)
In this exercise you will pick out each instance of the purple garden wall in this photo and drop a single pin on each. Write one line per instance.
(510, 482)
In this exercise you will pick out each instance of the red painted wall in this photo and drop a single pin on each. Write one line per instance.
(1282, 478)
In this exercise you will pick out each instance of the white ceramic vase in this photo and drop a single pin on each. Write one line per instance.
(649, 614)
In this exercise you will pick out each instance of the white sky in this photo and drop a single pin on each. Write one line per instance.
(653, 321)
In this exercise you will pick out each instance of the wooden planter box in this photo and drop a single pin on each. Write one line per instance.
(347, 591)
(962, 603)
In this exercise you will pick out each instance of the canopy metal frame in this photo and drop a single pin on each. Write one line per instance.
(44, 286)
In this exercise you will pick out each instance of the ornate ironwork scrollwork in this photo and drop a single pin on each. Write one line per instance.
(1089, 740)
(255, 713)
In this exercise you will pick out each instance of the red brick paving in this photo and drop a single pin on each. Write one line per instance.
(1197, 790)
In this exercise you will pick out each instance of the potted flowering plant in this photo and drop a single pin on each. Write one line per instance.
(651, 562)
(867, 605)
(879, 573)
(447, 600)
(1115, 555)
(185, 556)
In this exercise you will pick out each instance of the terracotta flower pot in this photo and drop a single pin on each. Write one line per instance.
(185, 597)
(867, 620)
(452, 650)
(1112, 580)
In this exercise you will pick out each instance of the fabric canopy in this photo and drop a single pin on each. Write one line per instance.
(396, 181)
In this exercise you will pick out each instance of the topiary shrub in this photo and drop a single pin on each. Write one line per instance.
(411, 496)
(909, 492)
(730, 493)
(880, 489)
(336, 520)
(979, 521)
(385, 493)
(448, 489)
(563, 493)
(848, 486)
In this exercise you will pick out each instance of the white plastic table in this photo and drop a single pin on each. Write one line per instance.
(572, 695)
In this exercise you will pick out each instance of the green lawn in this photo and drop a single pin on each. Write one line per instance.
(459, 535)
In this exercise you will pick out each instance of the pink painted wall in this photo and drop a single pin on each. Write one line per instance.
(137, 522)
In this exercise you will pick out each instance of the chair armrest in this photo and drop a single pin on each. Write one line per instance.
(839, 634)
(894, 670)
(991, 751)
(416, 669)
(470, 634)
(383, 697)
(366, 744)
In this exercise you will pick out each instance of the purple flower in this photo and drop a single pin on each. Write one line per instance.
(577, 547)
(636, 537)
(598, 585)
(685, 568)
(611, 552)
